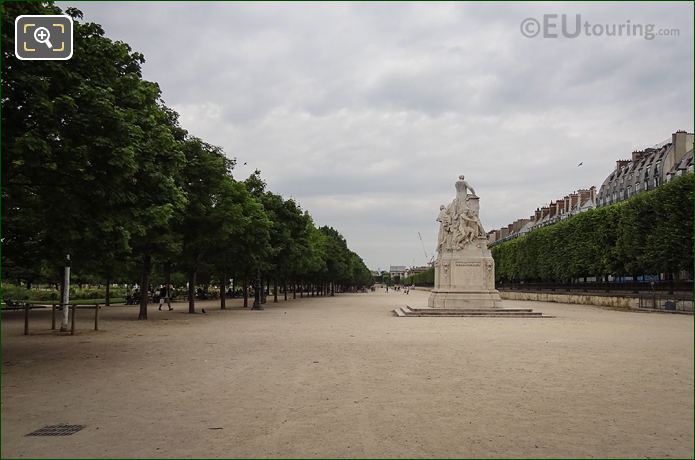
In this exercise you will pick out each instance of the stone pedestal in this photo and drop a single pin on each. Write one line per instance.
(465, 278)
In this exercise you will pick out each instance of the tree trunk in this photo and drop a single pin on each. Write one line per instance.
(246, 293)
(62, 291)
(191, 290)
(167, 280)
(284, 288)
(144, 285)
(223, 292)
(233, 287)
(301, 291)
(107, 300)
(670, 283)
(294, 290)
(332, 289)
(275, 291)
(264, 298)
(635, 285)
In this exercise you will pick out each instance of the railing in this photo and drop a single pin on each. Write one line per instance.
(631, 288)
(27, 307)
(665, 303)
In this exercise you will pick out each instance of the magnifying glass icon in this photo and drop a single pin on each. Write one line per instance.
(42, 35)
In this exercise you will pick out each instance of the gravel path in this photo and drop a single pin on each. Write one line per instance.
(342, 377)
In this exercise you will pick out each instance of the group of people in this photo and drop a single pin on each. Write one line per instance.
(163, 294)
(398, 288)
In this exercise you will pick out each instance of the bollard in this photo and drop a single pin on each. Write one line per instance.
(96, 317)
(26, 319)
(72, 325)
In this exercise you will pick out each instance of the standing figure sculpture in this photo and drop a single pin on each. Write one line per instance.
(462, 188)
(444, 228)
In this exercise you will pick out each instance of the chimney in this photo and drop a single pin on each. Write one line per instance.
(593, 194)
(553, 209)
(537, 216)
(637, 155)
(682, 143)
(510, 229)
(620, 163)
(574, 200)
(518, 224)
(561, 206)
(544, 211)
(504, 232)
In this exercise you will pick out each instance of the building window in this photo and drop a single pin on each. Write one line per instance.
(629, 191)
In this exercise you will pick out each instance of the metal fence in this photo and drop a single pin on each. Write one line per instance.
(683, 288)
(665, 303)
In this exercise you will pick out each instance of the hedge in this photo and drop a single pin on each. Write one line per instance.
(649, 233)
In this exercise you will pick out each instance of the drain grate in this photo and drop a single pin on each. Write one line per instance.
(56, 430)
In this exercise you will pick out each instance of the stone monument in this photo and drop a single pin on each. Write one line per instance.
(464, 271)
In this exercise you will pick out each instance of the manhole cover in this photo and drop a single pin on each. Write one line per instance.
(57, 430)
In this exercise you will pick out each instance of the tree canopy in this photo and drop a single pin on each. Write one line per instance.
(95, 165)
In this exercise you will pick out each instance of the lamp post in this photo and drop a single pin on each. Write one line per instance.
(66, 295)
(257, 291)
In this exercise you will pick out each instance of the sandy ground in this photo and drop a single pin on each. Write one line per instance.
(342, 377)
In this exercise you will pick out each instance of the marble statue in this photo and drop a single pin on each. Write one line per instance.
(464, 271)
(459, 222)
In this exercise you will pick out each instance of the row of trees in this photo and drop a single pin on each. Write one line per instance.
(425, 278)
(650, 233)
(95, 165)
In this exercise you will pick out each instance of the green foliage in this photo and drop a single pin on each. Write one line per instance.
(96, 166)
(425, 278)
(649, 233)
(14, 292)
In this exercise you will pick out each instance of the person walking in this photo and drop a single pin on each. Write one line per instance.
(164, 297)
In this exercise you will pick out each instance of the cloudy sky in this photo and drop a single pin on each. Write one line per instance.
(366, 113)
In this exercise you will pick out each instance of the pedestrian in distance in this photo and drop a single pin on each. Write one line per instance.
(164, 297)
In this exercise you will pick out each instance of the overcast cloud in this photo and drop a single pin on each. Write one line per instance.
(366, 113)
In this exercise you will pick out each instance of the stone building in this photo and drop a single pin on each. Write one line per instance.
(415, 270)
(574, 203)
(648, 169)
(397, 270)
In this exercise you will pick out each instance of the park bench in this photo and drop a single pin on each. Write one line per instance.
(9, 304)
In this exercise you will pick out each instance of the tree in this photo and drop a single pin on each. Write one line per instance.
(89, 151)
